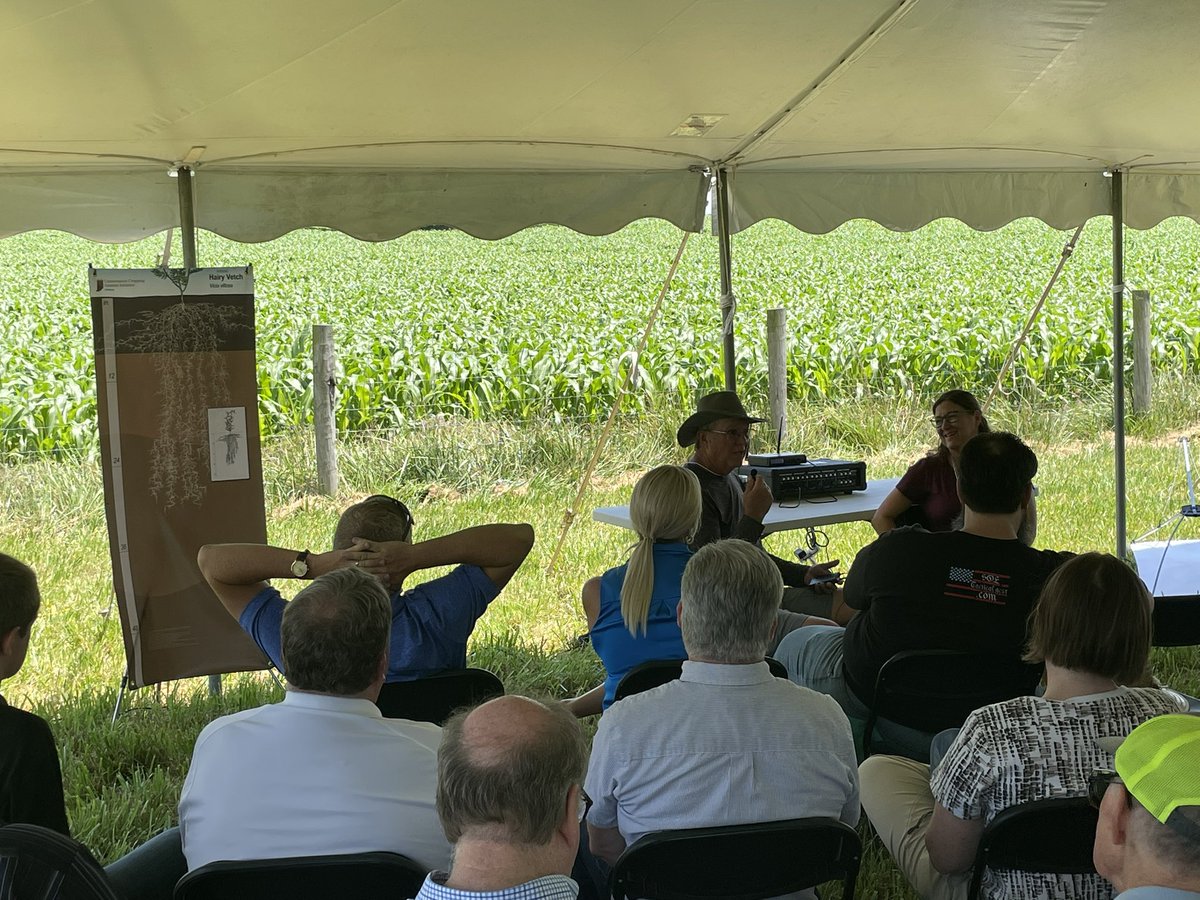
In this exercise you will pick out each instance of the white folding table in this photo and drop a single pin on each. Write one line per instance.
(1169, 571)
(793, 514)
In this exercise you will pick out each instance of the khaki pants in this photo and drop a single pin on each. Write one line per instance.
(808, 602)
(899, 803)
(785, 623)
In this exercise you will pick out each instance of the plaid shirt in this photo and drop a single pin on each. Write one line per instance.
(548, 887)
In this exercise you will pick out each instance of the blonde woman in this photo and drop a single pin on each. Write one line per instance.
(631, 609)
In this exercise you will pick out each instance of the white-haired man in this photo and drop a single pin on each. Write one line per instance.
(728, 743)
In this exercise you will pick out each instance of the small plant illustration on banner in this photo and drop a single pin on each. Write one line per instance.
(228, 460)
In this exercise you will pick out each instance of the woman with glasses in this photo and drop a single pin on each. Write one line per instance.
(927, 494)
(1091, 629)
(630, 609)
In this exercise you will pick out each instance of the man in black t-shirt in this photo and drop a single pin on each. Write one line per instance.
(30, 777)
(969, 590)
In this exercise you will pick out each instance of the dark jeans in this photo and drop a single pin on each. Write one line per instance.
(590, 871)
(149, 871)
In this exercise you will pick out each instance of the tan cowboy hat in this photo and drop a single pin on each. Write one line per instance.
(711, 408)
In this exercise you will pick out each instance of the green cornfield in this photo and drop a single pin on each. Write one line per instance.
(543, 325)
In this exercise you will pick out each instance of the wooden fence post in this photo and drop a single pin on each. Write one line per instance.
(324, 386)
(1142, 371)
(777, 384)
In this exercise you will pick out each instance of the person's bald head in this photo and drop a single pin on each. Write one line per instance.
(505, 769)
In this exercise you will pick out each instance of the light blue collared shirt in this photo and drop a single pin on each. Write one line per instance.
(723, 745)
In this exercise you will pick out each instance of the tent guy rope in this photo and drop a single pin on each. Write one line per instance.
(1067, 250)
(569, 515)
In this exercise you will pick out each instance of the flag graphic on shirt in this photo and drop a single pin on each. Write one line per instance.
(976, 584)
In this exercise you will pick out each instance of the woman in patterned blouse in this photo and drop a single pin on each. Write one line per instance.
(1091, 628)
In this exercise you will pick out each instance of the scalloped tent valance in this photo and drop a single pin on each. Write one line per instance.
(377, 116)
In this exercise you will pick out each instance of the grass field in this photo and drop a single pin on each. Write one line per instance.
(574, 298)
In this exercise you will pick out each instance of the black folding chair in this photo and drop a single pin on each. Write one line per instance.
(1176, 621)
(932, 690)
(1053, 836)
(738, 862)
(655, 672)
(377, 874)
(435, 697)
(38, 863)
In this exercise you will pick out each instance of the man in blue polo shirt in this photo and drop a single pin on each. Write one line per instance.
(430, 622)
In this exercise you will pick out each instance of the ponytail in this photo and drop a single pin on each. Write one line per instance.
(665, 505)
(638, 586)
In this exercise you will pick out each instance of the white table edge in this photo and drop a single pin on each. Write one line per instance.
(859, 507)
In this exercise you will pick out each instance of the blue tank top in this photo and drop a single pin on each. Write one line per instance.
(619, 650)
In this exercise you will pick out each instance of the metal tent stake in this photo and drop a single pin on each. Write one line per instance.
(120, 696)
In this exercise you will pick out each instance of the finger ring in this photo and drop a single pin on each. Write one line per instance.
(356, 564)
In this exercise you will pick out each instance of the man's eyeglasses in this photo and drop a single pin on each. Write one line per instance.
(395, 505)
(950, 419)
(1098, 783)
(735, 434)
(585, 804)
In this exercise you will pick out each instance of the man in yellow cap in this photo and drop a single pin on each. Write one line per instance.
(1148, 836)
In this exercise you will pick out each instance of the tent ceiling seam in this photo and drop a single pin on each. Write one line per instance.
(288, 64)
(506, 142)
(632, 53)
(865, 41)
(87, 153)
(949, 149)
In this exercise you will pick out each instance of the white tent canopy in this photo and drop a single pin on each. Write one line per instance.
(378, 116)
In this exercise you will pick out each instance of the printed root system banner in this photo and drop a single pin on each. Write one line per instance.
(177, 400)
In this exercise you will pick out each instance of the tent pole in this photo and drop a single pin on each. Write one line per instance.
(187, 234)
(1118, 339)
(728, 304)
(187, 216)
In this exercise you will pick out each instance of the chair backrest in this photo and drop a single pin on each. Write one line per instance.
(38, 863)
(738, 862)
(1176, 621)
(1054, 836)
(931, 690)
(435, 697)
(377, 874)
(655, 672)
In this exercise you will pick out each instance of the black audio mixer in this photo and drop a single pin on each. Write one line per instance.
(813, 478)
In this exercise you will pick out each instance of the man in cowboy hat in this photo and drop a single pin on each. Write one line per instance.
(720, 431)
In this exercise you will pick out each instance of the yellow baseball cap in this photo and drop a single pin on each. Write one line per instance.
(1159, 763)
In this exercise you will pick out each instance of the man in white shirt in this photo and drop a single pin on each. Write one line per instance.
(322, 772)
(509, 797)
(728, 743)
(1148, 836)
